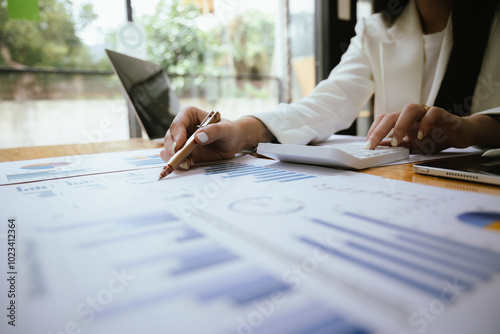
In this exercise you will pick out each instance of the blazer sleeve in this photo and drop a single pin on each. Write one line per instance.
(332, 106)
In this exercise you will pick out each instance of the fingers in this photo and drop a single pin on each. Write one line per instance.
(397, 125)
(185, 123)
(434, 116)
(411, 114)
(374, 125)
(222, 131)
(182, 126)
(186, 164)
(382, 125)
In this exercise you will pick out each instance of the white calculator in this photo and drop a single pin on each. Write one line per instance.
(342, 155)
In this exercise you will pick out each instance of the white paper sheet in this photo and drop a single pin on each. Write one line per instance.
(248, 246)
(15, 172)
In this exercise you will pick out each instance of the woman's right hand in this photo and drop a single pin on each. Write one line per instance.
(216, 141)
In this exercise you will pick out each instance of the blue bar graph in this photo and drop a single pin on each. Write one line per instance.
(259, 289)
(20, 189)
(190, 259)
(190, 262)
(485, 260)
(241, 287)
(434, 291)
(86, 184)
(451, 243)
(311, 318)
(406, 263)
(425, 252)
(39, 191)
(260, 174)
(189, 234)
(209, 290)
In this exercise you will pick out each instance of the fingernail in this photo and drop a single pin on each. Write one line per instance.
(391, 133)
(394, 141)
(184, 165)
(173, 146)
(368, 145)
(202, 136)
(420, 135)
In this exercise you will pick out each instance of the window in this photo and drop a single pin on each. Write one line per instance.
(57, 87)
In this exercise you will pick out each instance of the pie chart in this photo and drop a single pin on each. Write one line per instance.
(47, 165)
(486, 220)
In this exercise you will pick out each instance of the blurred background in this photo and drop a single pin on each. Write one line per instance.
(237, 57)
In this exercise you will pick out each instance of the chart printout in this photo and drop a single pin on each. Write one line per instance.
(247, 246)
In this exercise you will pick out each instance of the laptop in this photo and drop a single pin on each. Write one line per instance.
(148, 92)
(473, 168)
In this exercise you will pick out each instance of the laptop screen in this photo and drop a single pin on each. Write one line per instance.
(149, 92)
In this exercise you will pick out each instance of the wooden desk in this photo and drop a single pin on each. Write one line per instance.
(402, 172)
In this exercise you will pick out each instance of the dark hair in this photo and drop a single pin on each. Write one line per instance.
(390, 9)
(471, 32)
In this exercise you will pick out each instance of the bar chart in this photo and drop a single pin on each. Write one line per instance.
(259, 174)
(416, 259)
(36, 191)
(209, 250)
(311, 318)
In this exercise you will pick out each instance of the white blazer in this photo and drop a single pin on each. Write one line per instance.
(387, 62)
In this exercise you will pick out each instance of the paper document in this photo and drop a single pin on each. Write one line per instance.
(55, 168)
(247, 246)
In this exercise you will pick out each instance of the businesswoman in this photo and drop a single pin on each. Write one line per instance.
(431, 66)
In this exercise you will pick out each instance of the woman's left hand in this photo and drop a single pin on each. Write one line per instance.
(422, 129)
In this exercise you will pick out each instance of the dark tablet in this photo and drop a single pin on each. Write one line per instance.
(469, 168)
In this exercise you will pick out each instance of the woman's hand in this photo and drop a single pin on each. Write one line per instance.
(216, 141)
(426, 130)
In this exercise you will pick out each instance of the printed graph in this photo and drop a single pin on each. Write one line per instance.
(230, 277)
(242, 285)
(312, 317)
(86, 184)
(258, 173)
(36, 191)
(413, 258)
